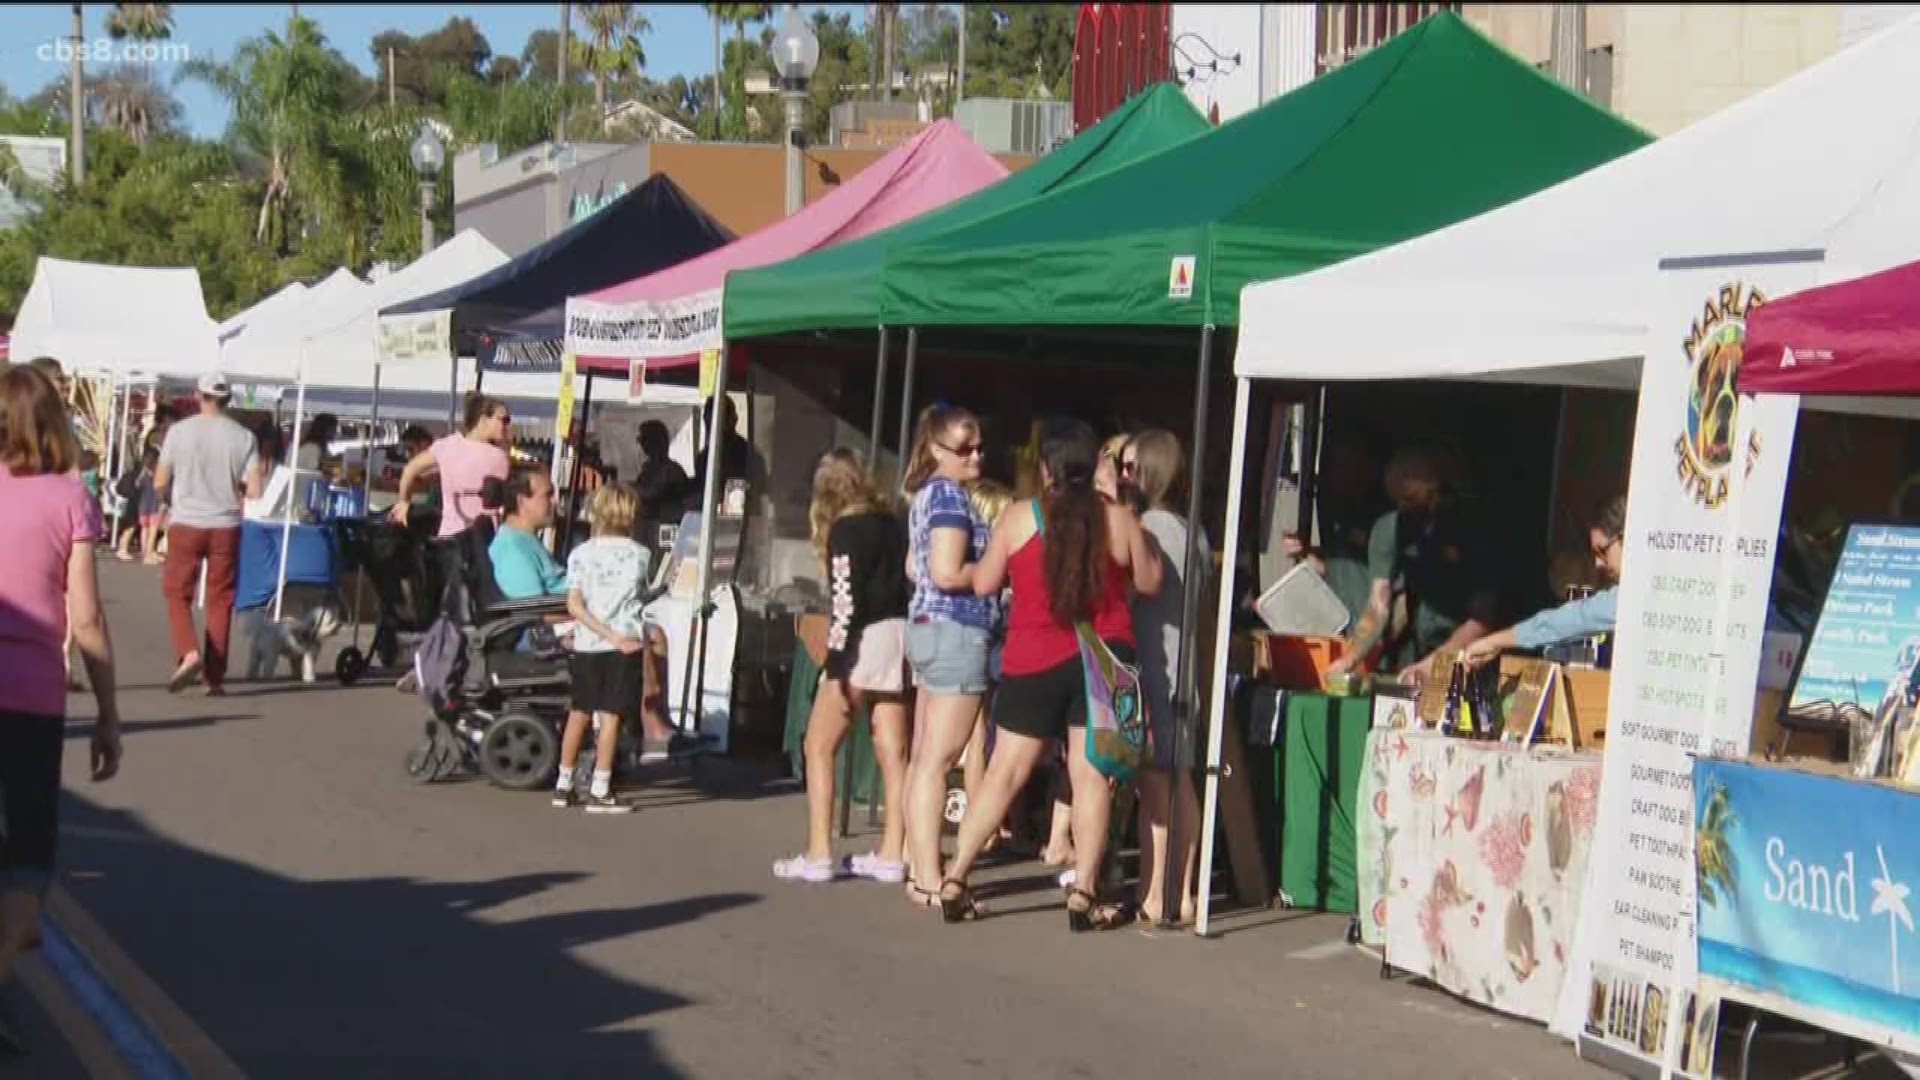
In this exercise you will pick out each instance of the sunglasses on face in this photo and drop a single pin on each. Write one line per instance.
(1127, 466)
(971, 449)
(1601, 551)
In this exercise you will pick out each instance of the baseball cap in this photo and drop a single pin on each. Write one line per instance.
(214, 384)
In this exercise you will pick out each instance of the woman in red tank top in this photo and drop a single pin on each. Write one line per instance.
(1070, 558)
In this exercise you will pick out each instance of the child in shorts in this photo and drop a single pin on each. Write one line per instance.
(606, 589)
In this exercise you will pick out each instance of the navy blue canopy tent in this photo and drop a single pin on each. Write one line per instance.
(650, 228)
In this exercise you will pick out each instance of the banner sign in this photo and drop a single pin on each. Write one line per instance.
(645, 329)
(1806, 902)
(536, 357)
(1704, 502)
(1869, 627)
(406, 339)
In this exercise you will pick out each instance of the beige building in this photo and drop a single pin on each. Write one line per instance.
(1663, 66)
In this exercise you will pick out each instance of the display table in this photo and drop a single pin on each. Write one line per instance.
(1472, 859)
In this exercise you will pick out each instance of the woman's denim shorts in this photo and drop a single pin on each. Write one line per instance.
(947, 657)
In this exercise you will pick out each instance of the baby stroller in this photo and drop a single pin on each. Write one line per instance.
(498, 708)
(395, 562)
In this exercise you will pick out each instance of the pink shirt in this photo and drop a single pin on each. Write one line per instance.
(463, 464)
(45, 517)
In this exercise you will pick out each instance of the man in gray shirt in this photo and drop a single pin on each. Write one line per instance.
(206, 463)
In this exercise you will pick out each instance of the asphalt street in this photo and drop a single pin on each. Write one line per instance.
(268, 865)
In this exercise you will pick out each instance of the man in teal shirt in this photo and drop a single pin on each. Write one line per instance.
(522, 567)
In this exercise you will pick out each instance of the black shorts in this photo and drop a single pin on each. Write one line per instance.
(608, 682)
(30, 747)
(1045, 704)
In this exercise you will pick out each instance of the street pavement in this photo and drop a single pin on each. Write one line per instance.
(265, 861)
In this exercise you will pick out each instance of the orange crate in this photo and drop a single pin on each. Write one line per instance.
(1300, 663)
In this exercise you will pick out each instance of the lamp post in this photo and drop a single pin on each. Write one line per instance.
(428, 156)
(796, 52)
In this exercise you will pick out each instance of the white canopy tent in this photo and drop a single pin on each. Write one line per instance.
(1556, 288)
(287, 298)
(266, 346)
(116, 319)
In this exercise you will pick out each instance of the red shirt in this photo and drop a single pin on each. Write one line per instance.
(1036, 641)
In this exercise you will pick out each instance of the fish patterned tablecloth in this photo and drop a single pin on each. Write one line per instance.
(1472, 858)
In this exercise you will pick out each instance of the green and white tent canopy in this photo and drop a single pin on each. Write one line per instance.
(838, 288)
(1435, 126)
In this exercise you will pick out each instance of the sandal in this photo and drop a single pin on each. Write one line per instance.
(1095, 916)
(961, 906)
(922, 898)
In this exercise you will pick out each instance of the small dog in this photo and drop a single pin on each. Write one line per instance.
(298, 640)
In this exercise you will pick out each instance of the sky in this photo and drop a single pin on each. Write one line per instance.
(681, 42)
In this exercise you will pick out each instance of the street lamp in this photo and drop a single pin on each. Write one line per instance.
(428, 155)
(796, 52)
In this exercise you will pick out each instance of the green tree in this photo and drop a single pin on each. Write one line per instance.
(844, 59)
(423, 65)
(1014, 50)
(140, 23)
(610, 48)
(735, 117)
(130, 100)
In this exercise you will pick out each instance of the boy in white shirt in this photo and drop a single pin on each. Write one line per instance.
(606, 590)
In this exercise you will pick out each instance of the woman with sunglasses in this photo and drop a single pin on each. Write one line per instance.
(949, 628)
(1606, 529)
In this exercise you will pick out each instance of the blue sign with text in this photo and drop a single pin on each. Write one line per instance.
(1869, 630)
(1805, 896)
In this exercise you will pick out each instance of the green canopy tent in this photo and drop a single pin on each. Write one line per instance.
(1433, 127)
(839, 287)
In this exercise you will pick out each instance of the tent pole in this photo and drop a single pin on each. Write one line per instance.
(479, 372)
(294, 489)
(906, 396)
(366, 493)
(879, 397)
(573, 469)
(453, 396)
(107, 457)
(709, 497)
(1192, 575)
(1222, 643)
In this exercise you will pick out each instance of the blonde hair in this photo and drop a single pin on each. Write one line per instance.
(842, 486)
(935, 421)
(613, 509)
(1158, 467)
(989, 499)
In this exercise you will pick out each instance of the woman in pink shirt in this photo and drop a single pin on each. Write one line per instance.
(462, 461)
(48, 533)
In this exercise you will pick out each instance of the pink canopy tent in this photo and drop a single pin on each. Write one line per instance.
(668, 318)
(1852, 337)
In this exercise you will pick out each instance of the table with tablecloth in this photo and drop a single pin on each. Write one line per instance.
(1472, 856)
(310, 555)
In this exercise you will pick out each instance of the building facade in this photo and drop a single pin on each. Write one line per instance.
(1663, 66)
(518, 200)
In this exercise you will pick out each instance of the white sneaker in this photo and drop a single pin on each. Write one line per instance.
(606, 804)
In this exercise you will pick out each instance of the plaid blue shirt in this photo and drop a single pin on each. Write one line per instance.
(943, 504)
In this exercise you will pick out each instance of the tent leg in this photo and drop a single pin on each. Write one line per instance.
(107, 456)
(295, 490)
(906, 396)
(709, 500)
(1192, 575)
(453, 395)
(366, 494)
(1222, 643)
(879, 398)
(479, 372)
(1305, 514)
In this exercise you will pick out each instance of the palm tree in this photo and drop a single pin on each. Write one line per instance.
(130, 100)
(1713, 857)
(140, 22)
(282, 91)
(741, 16)
(1890, 899)
(611, 47)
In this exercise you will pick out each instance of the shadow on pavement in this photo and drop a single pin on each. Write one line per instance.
(372, 976)
(84, 731)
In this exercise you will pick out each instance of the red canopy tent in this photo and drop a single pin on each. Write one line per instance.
(1852, 337)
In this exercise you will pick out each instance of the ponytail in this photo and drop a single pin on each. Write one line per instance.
(1075, 536)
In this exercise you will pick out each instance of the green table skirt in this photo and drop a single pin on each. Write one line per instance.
(1307, 801)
